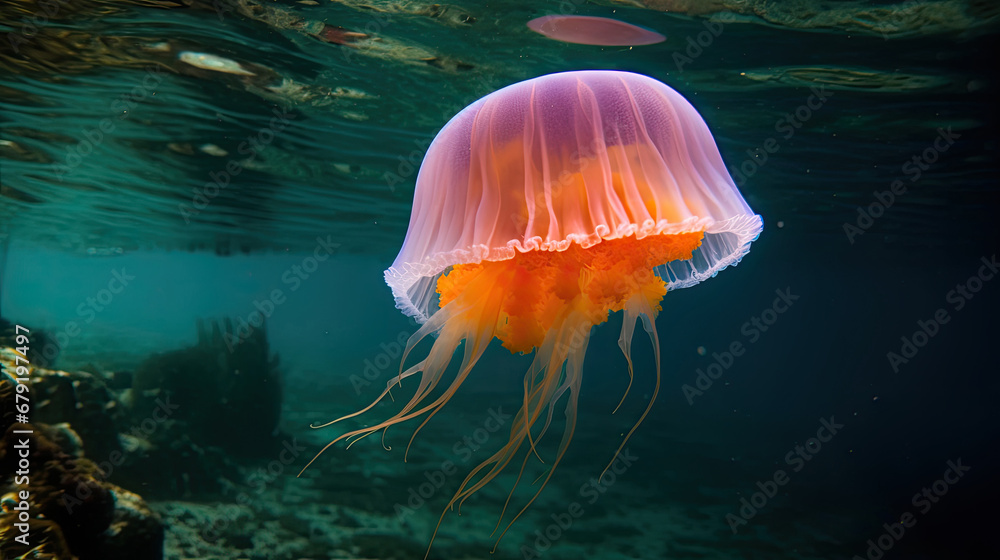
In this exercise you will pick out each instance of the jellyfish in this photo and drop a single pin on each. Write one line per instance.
(590, 30)
(538, 211)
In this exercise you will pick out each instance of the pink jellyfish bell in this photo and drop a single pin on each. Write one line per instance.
(538, 211)
(590, 30)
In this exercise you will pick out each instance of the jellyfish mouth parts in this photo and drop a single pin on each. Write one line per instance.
(546, 301)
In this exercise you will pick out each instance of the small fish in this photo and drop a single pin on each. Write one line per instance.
(213, 62)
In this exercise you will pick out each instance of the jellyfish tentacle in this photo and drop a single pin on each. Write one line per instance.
(438, 321)
(506, 503)
(564, 349)
(625, 343)
(574, 376)
(459, 322)
(543, 396)
(528, 380)
(473, 352)
(533, 372)
(414, 369)
(557, 362)
(403, 415)
(641, 307)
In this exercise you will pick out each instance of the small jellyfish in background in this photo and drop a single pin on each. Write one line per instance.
(538, 211)
(590, 30)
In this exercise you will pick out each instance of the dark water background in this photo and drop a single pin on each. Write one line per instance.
(890, 91)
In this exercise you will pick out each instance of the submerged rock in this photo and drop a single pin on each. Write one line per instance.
(142, 430)
(73, 513)
(135, 530)
(84, 401)
(224, 392)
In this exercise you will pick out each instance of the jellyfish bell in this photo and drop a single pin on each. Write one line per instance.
(590, 30)
(538, 211)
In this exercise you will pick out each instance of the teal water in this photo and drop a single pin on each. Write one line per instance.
(120, 159)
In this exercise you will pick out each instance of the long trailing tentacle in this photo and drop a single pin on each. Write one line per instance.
(625, 343)
(566, 345)
(638, 305)
(542, 396)
(417, 368)
(458, 321)
(574, 371)
(473, 351)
